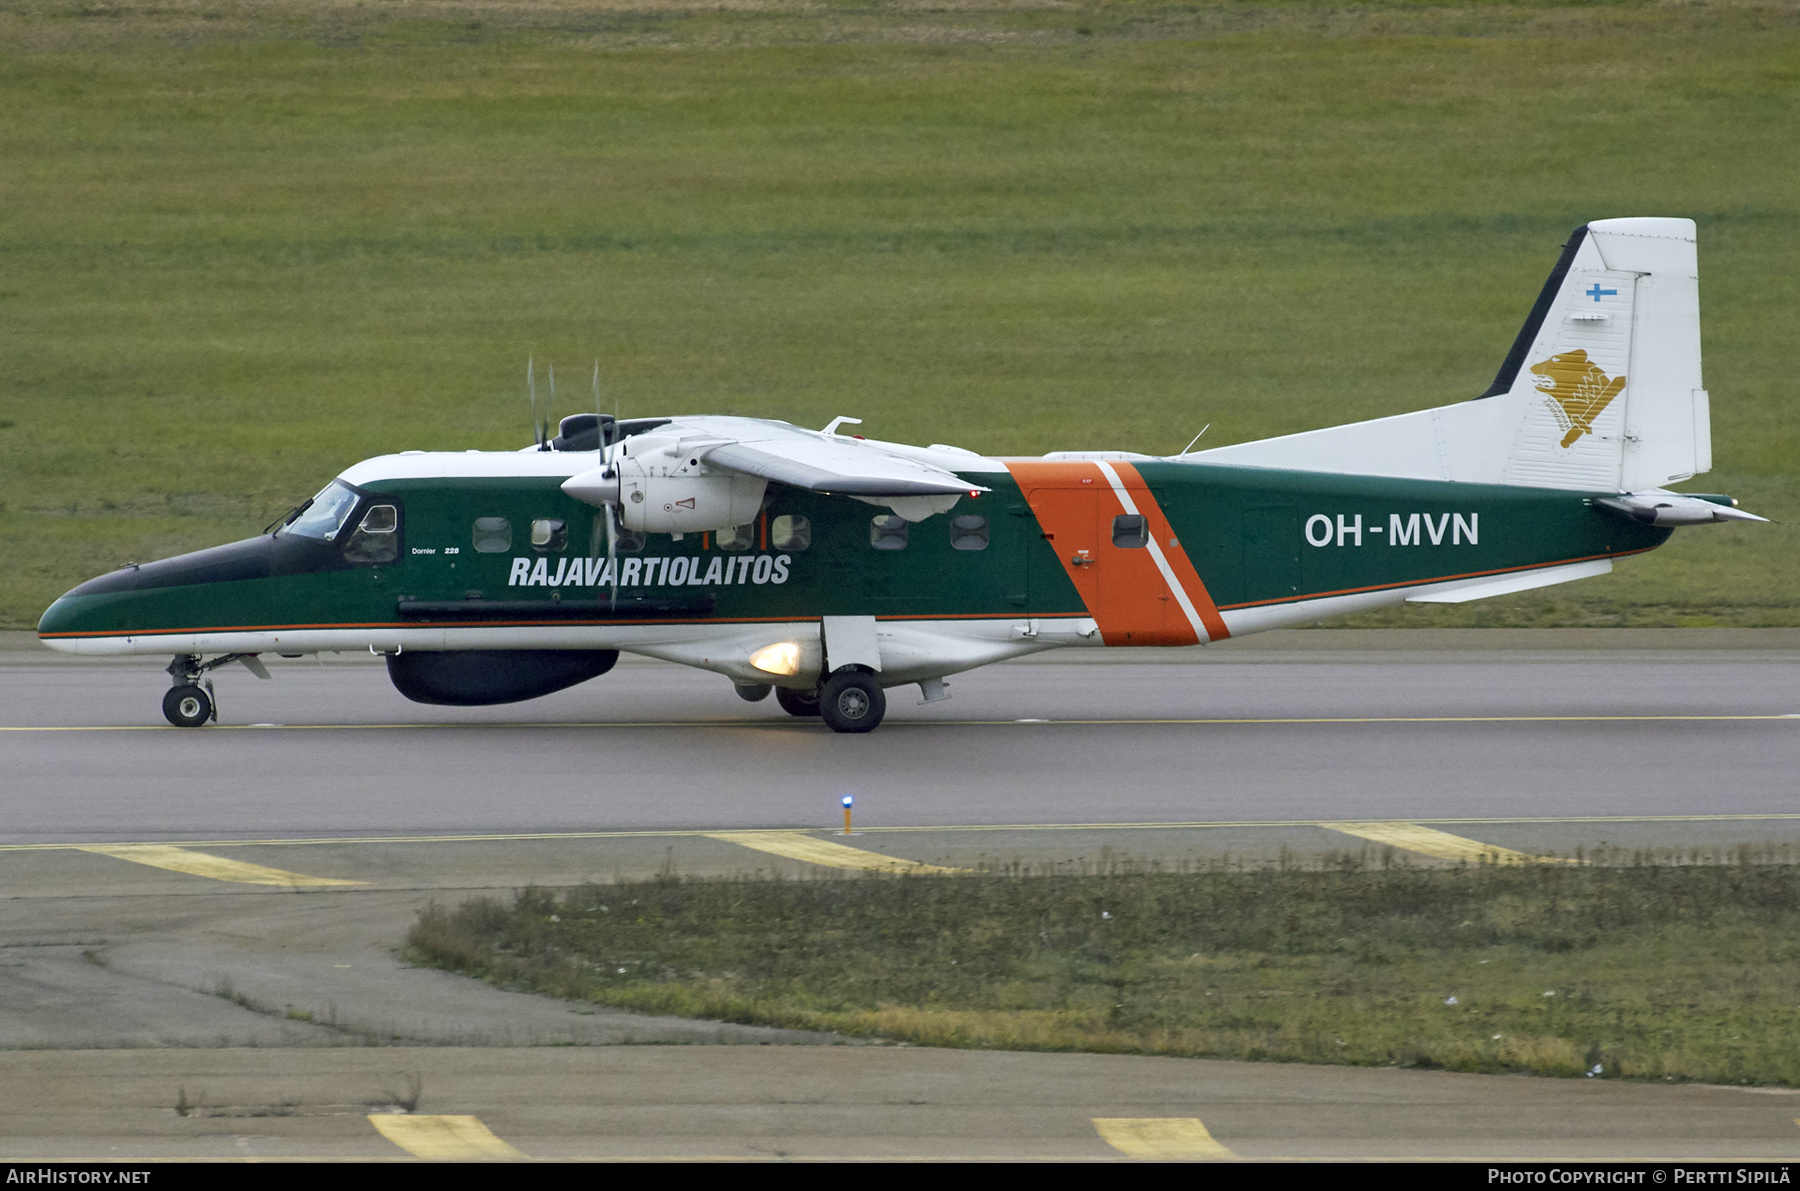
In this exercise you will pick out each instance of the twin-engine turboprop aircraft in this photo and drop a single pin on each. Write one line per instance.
(829, 568)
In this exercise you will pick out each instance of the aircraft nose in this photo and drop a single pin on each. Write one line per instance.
(150, 596)
(63, 616)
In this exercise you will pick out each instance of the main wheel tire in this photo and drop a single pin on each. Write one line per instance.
(800, 703)
(851, 701)
(187, 706)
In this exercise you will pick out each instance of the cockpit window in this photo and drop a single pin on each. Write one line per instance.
(380, 519)
(375, 539)
(323, 516)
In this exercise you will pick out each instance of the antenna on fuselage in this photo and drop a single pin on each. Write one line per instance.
(1196, 439)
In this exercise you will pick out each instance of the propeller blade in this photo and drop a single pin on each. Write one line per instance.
(537, 427)
(612, 550)
(612, 511)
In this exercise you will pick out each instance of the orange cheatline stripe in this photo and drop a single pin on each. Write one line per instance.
(1163, 541)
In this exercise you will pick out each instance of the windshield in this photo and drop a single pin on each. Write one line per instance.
(322, 516)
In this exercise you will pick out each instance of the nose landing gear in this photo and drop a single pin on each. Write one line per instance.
(190, 702)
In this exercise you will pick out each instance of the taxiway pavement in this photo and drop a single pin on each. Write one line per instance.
(171, 897)
(1228, 736)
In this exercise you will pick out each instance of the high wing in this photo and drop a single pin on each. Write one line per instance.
(835, 464)
(915, 482)
(835, 471)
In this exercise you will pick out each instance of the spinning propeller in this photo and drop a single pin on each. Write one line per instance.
(611, 511)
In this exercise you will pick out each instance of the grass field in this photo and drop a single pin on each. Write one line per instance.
(1641, 971)
(243, 245)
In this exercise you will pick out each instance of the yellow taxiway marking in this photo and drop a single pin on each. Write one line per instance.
(1431, 842)
(1160, 1137)
(789, 724)
(797, 845)
(959, 828)
(199, 864)
(455, 1138)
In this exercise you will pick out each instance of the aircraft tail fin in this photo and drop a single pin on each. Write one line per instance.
(1601, 389)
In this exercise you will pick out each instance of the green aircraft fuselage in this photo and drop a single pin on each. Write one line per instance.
(1254, 537)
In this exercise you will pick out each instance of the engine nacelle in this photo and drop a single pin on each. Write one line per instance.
(667, 491)
(688, 503)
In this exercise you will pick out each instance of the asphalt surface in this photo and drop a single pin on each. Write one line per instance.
(187, 1011)
(846, 1103)
(1460, 734)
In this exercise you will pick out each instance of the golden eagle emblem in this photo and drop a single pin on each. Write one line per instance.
(1576, 390)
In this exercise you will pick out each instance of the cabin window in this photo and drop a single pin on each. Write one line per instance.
(549, 533)
(888, 532)
(1131, 531)
(630, 541)
(969, 532)
(377, 537)
(323, 515)
(493, 535)
(788, 532)
(736, 537)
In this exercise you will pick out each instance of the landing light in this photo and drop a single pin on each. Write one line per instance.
(781, 659)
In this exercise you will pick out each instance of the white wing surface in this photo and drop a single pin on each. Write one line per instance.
(834, 464)
(915, 482)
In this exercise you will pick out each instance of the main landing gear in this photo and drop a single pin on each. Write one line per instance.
(850, 701)
(797, 703)
(190, 702)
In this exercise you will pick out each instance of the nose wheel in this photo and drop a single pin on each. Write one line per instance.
(190, 703)
(189, 706)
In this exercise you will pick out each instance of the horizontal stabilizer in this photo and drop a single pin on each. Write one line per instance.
(1463, 590)
(1671, 508)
